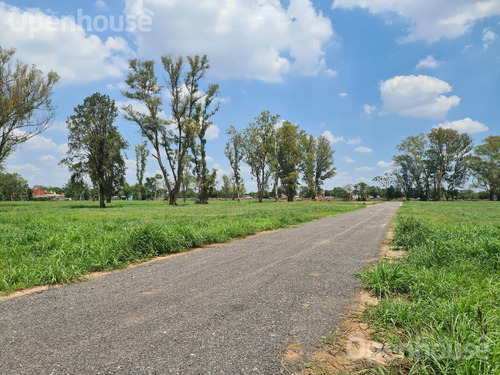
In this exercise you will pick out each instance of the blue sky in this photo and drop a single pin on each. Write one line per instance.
(364, 73)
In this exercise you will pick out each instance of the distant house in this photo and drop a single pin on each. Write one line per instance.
(45, 194)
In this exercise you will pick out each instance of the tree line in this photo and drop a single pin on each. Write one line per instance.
(173, 118)
(436, 165)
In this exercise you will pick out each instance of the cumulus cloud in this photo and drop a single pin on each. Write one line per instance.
(59, 44)
(385, 164)
(428, 63)
(417, 96)
(430, 20)
(343, 94)
(363, 149)
(349, 160)
(489, 38)
(364, 169)
(369, 109)
(101, 4)
(257, 39)
(464, 126)
(353, 141)
(212, 132)
(331, 138)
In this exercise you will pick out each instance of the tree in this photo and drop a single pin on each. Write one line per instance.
(485, 164)
(385, 180)
(202, 122)
(141, 156)
(308, 163)
(95, 146)
(13, 187)
(288, 157)
(324, 163)
(259, 143)
(412, 171)
(447, 148)
(361, 189)
(187, 178)
(26, 108)
(76, 188)
(226, 186)
(174, 136)
(235, 152)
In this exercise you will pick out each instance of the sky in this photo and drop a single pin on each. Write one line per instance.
(365, 74)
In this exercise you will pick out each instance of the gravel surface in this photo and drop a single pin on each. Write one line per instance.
(230, 309)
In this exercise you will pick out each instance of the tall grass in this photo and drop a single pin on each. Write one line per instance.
(441, 303)
(56, 242)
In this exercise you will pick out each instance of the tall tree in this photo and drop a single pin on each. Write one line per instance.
(485, 163)
(386, 180)
(176, 135)
(324, 163)
(187, 177)
(95, 146)
(288, 157)
(412, 164)
(259, 144)
(308, 163)
(446, 148)
(141, 157)
(203, 113)
(26, 108)
(13, 187)
(235, 151)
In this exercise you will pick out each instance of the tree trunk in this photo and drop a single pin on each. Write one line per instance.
(492, 194)
(101, 197)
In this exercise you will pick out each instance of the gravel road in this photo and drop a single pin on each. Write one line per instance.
(229, 309)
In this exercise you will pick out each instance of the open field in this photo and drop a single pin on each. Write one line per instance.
(440, 304)
(56, 242)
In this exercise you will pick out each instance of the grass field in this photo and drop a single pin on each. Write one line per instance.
(56, 242)
(440, 304)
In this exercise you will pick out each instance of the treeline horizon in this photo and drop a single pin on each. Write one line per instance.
(279, 155)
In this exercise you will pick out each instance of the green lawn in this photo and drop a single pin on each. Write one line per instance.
(56, 242)
(441, 303)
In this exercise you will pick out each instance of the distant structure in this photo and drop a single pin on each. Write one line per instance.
(45, 194)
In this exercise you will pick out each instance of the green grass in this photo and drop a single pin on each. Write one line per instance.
(441, 303)
(57, 242)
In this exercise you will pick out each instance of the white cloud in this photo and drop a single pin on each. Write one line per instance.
(257, 39)
(489, 38)
(117, 86)
(363, 149)
(212, 132)
(385, 164)
(101, 4)
(58, 126)
(430, 20)
(428, 63)
(59, 44)
(369, 109)
(347, 159)
(209, 159)
(353, 141)
(22, 168)
(464, 126)
(48, 159)
(343, 94)
(41, 143)
(331, 138)
(364, 169)
(417, 96)
(130, 171)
